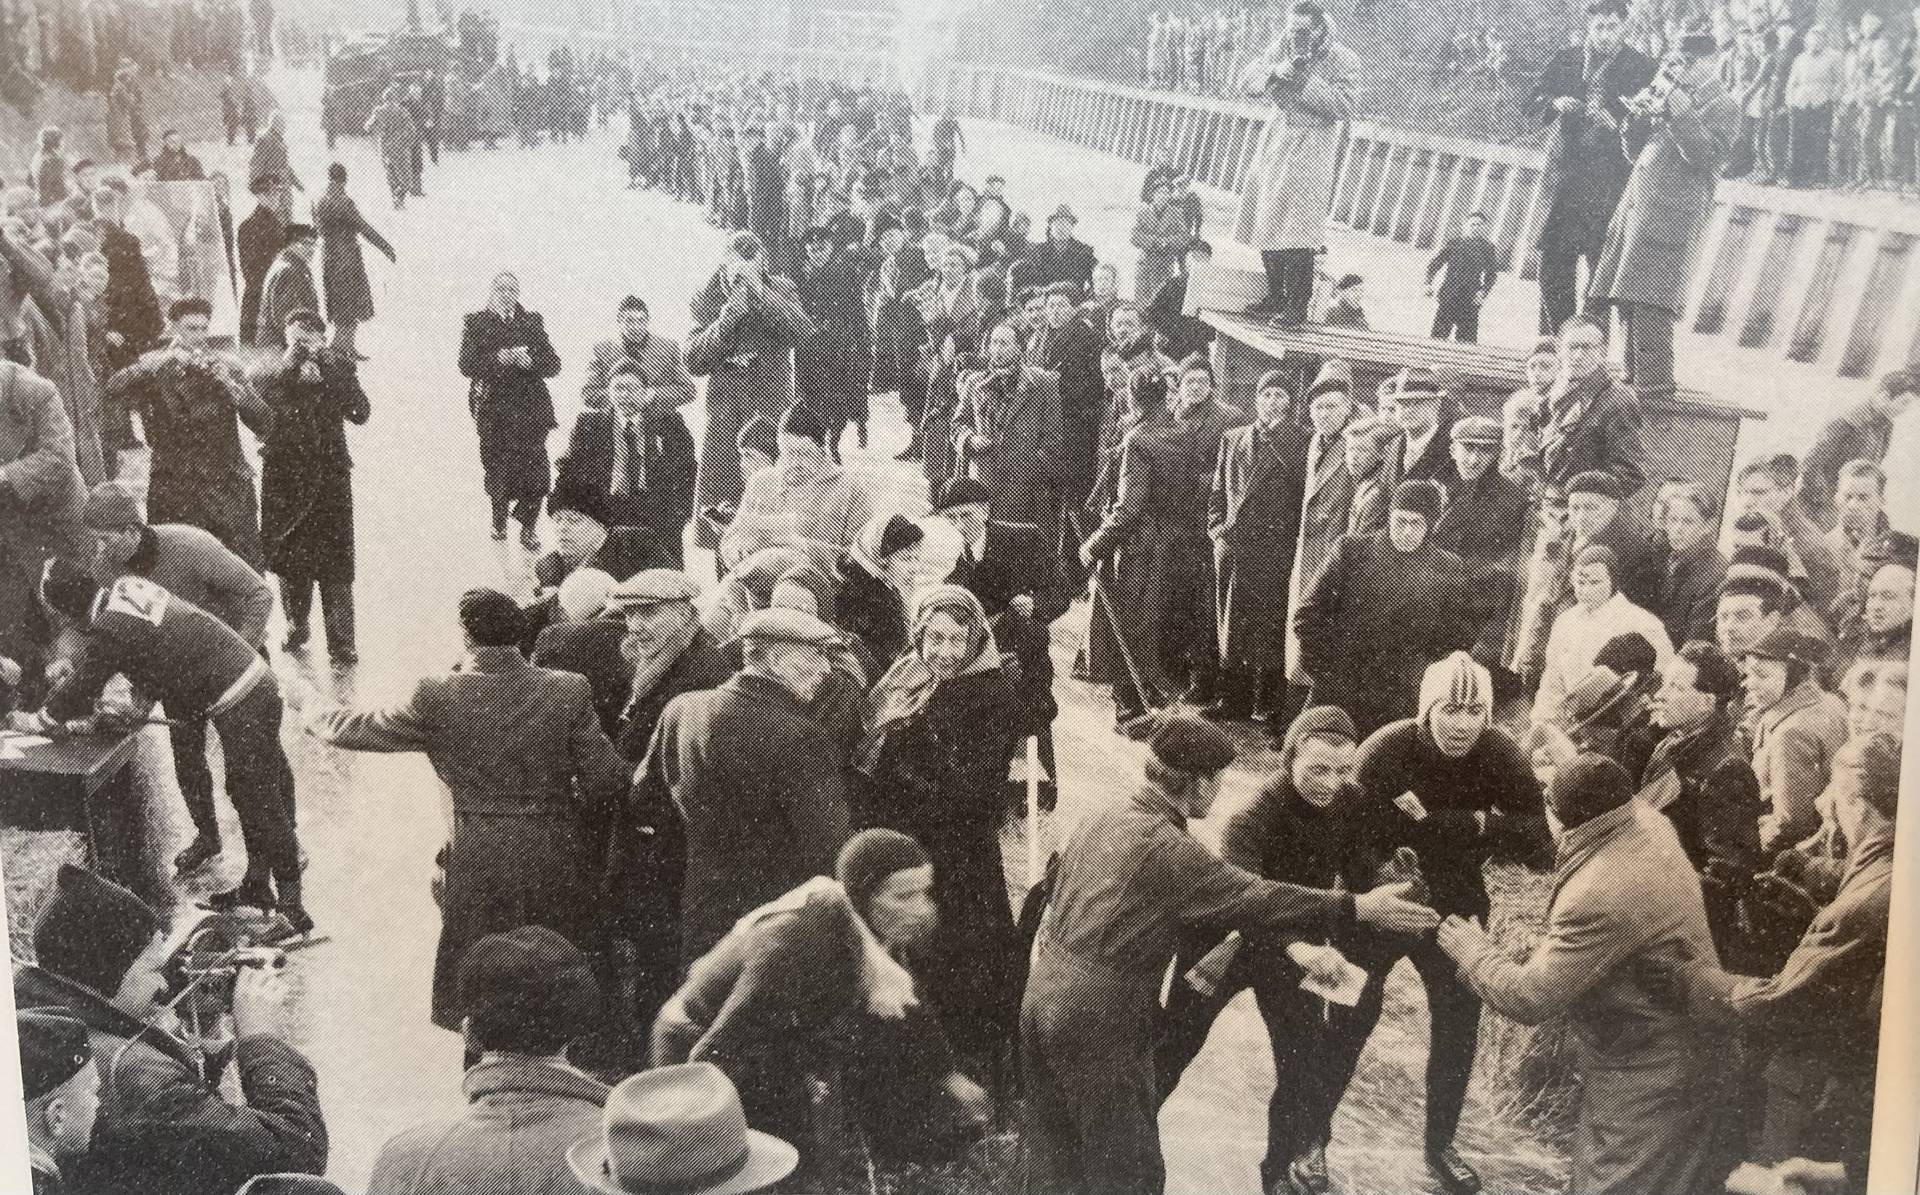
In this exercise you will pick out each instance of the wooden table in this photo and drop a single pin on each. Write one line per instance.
(82, 783)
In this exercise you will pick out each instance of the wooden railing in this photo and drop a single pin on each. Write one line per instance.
(1820, 278)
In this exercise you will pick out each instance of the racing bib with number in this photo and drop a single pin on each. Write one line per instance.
(139, 598)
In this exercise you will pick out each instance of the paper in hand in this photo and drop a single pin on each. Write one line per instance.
(1346, 993)
(1749, 1179)
(1410, 805)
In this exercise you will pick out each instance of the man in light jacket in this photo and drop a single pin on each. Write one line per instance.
(1623, 892)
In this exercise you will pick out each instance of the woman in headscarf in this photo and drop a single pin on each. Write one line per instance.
(935, 757)
(878, 573)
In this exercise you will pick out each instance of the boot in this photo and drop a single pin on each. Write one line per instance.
(1308, 1172)
(251, 894)
(1272, 260)
(1454, 1175)
(204, 849)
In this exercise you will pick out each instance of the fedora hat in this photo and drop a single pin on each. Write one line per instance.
(679, 1129)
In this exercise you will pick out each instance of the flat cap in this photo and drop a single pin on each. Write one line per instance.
(1417, 383)
(1334, 374)
(1596, 481)
(1191, 744)
(1477, 429)
(780, 625)
(1790, 646)
(652, 586)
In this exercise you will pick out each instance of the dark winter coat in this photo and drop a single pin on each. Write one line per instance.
(1015, 560)
(872, 611)
(1374, 619)
(1053, 261)
(760, 792)
(511, 407)
(163, 1128)
(1486, 523)
(938, 779)
(306, 473)
(1689, 598)
(1023, 467)
(831, 366)
(1072, 353)
(1702, 781)
(1594, 424)
(664, 506)
(528, 769)
(1254, 517)
(338, 220)
(133, 310)
(259, 240)
(191, 405)
(591, 648)
(1587, 168)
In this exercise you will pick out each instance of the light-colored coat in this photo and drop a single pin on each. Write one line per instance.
(1290, 183)
(523, 1115)
(1624, 891)
(1161, 235)
(1323, 520)
(1656, 228)
(1794, 743)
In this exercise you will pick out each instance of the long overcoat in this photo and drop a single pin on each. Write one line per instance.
(939, 779)
(1021, 468)
(288, 288)
(832, 365)
(1656, 228)
(1326, 507)
(1289, 187)
(1623, 895)
(1259, 488)
(343, 270)
(512, 408)
(761, 794)
(306, 472)
(522, 754)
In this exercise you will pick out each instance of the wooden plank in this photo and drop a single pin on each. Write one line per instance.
(1850, 295)
(1762, 307)
(1759, 249)
(1798, 279)
(1893, 271)
(1810, 330)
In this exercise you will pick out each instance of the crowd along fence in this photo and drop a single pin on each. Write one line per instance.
(1814, 277)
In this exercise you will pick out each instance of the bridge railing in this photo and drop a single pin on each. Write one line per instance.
(1819, 278)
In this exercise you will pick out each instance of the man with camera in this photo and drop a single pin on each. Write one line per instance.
(104, 959)
(1679, 131)
(1582, 94)
(746, 323)
(1311, 80)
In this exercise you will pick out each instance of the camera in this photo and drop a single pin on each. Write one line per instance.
(203, 969)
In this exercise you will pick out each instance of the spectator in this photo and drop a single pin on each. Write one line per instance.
(1600, 613)
(1182, 335)
(1622, 899)
(640, 453)
(1765, 487)
(1591, 421)
(1009, 428)
(1884, 629)
(1695, 567)
(101, 956)
(1597, 514)
(1677, 161)
(175, 164)
(1813, 93)
(61, 1085)
(1365, 641)
(805, 500)
(1861, 432)
(525, 994)
(1347, 308)
(1700, 778)
(683, 1125)
(288, 287)
(1796, 727)
(49, 169)
(1470, 263)
(1161, 234)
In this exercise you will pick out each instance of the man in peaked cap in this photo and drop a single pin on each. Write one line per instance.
(1061, 257)
(62, 1089)
(1131, 882)
(1423, 453)
(755, 779)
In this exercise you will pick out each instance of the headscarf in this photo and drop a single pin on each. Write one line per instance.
(868, 549)
(909, 684)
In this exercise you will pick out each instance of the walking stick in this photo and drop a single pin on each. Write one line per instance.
(1033, 810)
(1147, 693)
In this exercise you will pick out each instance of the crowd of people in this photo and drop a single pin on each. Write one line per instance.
(1827, 103)
(726, 853)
